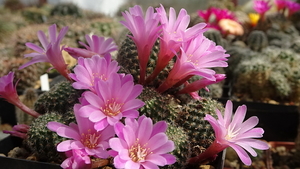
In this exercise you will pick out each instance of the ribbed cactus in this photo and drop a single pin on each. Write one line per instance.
(60, 98)
(42, 142)
(268, 75)
(216, 36)
(257, 40)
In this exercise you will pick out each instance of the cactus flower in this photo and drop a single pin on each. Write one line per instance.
(88, 70)
(197, 57)
(145, 30)
(76, 159)
(261, 7)
(51, 51)
(84, 137)
(280, 4)
(292, 7)
(213, 15)
(113, 99)
(19, 130)
(140, 144)
(96, 46)
(175, 31)
(9, 93)
(231, 131)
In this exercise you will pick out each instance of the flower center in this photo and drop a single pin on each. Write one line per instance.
(90, 140)
(231, 133)
(112, 108)
(138, 152)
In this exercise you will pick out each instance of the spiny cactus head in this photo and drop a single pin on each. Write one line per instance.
(41, 141)
(191, 118)
(60, 98)
(158, 106)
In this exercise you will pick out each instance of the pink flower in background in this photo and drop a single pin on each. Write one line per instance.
(88, 70)
(196, 58)
(175, 32)
(261, 6)
(9, 93)
(96, 46)
(231, 131)
(140, 144)
(113, 99)
(280, 4)
(213, 15)
(19, 130)
(76, 159)
(145, 30)
(51, 51)
(292, 7)
(84, 137)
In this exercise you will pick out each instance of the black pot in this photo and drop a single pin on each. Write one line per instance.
(8, 144)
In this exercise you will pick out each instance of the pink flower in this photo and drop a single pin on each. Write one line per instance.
(96, 46)
(140, 144)
(145, 31)
(77, 159)
(84, 137)
(9, 93)
(202, 83)
(213, 15)
(19, 130)
(175, 32)
(261, 6)
(197, 56)
(292, 7)
(280, 4)
(51, 51)
(112, 100)
(88, 70)
(231, 131)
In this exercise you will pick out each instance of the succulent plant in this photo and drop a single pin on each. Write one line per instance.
(41, 141)
(268, 75)
(182, 146)
(216, 36)
(64, 9)
(60, 98)
(191, 119)
(158, 106)
(257, 40)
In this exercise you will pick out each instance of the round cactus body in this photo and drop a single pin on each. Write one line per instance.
(41, 141)
(60, 98)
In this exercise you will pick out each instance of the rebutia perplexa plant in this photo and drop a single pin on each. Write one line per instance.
(126, 106)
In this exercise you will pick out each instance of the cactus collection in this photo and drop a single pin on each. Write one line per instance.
(176, 83)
